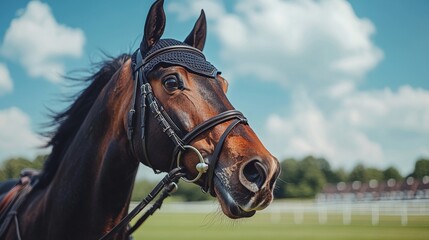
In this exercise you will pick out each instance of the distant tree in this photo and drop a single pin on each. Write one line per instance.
(373, 173)
(313, 178)
(11, 168)
(304, 178)
(314, 170)
(288, 177)
(141, 189)
(191, 192)
(329, 175)
(301, 190)
(391, 172)
(340, 175)
(421, 168)
(186, 191)
(39, 161)
(289, 172)
(2, 175)
(358, 173)
(363, 174)
(333, 175)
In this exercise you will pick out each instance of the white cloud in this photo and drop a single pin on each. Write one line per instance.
(379, 128)
(406, 110)
(6, 84)
(303, 43)
(308, 130)
(16, 136)
(39, 42)
(193, 8)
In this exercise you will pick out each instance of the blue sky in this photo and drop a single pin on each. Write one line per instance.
(344, 80)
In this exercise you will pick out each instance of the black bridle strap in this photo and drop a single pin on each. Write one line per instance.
(131, 115)
(212, 122)
(157, 205)
(173, 176)
(216, 154)
(161, 117)
(138, 77)
(148, 99)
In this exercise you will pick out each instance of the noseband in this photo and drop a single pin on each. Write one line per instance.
(194, 60)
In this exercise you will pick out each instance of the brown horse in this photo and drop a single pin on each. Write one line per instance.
(85, 187)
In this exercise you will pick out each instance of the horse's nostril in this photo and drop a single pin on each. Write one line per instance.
(255, 173)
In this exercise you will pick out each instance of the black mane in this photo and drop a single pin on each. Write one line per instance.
(68, 122)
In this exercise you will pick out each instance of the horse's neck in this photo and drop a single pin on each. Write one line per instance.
(93, 185)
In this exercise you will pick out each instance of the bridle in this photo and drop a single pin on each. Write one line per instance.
(140, 68)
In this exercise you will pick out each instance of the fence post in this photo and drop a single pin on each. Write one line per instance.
(322, 212)
(375, 213)
(404, 213)
(347, 215)
(298, 216)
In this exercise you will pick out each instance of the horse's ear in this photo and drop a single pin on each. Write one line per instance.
(197, 37)
(154, 26)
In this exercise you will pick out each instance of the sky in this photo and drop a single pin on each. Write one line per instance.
(343, 80)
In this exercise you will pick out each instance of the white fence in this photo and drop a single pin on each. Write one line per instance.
(403, 209)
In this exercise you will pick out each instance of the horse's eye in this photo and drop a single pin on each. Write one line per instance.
(171, 84)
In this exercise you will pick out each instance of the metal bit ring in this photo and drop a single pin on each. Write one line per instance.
(201, 165)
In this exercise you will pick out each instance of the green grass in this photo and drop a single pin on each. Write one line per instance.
(265, 226)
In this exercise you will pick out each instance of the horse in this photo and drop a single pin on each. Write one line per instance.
(164, 106)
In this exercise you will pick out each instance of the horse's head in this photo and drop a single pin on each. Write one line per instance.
(200, 122)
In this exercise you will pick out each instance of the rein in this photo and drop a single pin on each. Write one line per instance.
(168, 183)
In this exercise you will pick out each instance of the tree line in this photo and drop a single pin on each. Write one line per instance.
(299, 178)
(12, 167)
(304, 178)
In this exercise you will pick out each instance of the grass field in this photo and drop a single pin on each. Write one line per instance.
(265, 226)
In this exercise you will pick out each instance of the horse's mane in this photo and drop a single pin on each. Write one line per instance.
(67, 123)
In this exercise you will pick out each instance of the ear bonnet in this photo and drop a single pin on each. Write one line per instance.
(172, 52)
